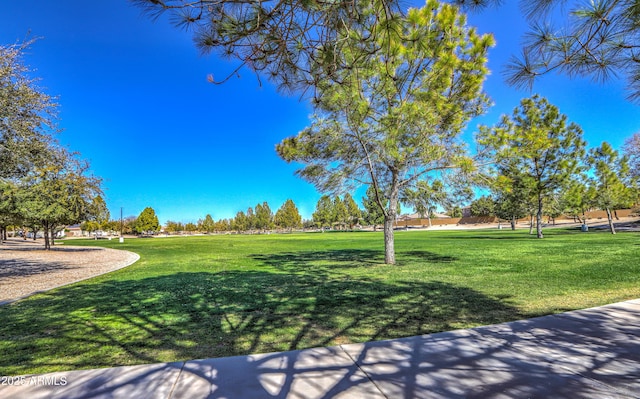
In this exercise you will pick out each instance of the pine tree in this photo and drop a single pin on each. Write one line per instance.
(147, 222)
(288, 216)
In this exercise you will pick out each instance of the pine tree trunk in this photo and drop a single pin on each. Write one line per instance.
(530, 224)
(539, 219)
(611, 226)
(513, 223)
(389, 245)
(389, 221)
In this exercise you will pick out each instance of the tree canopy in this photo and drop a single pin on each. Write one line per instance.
(291, 42)
(27, 116)
(598, 39)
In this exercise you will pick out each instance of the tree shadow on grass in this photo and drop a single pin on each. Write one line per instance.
(202, 315)
(343, 259)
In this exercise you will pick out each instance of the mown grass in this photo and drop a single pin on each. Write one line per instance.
(200, 297)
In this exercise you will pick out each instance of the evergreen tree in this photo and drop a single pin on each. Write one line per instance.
(264, 217)
(207, 225)
(240, 223)
(288, 216)
(513, 193)
(399, 110)
(323, 216)
(373, 215)
(545, 148)
(354, 214)
(610, 171)
(147, 222)
(250, 220)
(340, 214)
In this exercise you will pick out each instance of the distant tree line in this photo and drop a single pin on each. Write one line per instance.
(258, 219)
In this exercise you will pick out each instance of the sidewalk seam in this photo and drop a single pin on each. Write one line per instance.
(364, 372)
(173, 387)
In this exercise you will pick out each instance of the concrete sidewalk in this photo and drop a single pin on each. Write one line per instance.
(592, 353)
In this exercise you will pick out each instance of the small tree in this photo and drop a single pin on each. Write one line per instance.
(609, 170)
(58, 194)
(483, 206)
(373, 215)
(426, 197)
(190, 227)
(147, 222)
(288, 216)
(223, 225)
(541, 143)
(173, 227)
(513, 193)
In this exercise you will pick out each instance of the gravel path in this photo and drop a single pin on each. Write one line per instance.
(26, 268)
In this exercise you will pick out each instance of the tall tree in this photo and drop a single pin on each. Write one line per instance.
(340, 214)
(354, 214)
(597, 38)
(545, 147)
(264, 217)
(398, 116)
(288, 216)
(609, 171)
(208, 225)
(323, 215)
(147, 222)
(250, 220)
(240, 223)
(98, 212)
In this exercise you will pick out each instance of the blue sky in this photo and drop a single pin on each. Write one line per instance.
(135, 101)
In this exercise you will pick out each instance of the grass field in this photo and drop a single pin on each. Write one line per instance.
(200, 297)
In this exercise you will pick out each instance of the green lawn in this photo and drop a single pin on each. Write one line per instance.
(200, 297)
